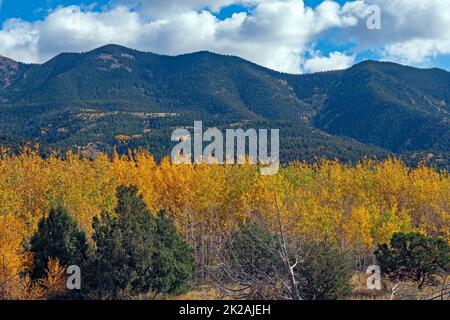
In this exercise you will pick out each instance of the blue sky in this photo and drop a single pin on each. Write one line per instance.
(287, 35)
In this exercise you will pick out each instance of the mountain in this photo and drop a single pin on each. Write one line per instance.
(10, 71)
(86, 99)
(398, 108)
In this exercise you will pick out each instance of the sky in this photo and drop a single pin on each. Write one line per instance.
(294, 36)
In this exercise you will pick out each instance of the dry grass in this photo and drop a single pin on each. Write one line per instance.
(200, 293)
(405, 291)
(360, 291)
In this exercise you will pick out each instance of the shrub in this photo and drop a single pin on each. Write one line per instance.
(254, 251)
(414, 257)
(258, 260)
(55, 281)
(15, 261)
(58, 237)
(173, 261)
(122, 264)
(325, 273)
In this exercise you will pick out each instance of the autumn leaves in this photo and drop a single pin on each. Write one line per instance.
(357, 206)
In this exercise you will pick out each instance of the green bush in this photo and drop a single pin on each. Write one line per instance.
(256, 259)
(325, 273)
(254, 251)
(58, 237)
(173, 260)
(136, 253)
(414, 257)
(122, 263)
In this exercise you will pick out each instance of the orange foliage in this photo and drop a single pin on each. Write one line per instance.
(13, 259)
(358, 206)
(55, 281)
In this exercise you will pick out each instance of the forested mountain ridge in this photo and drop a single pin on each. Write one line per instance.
(81, 99)
(398, 108)
(10, 71)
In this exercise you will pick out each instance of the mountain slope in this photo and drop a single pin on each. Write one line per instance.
(10, 71)
(79, 99)
(395, 107)
(200, 82)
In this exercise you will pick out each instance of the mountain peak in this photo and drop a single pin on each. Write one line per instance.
(5, 60)
(8, 71)
(374, 63)
(392, 65)
(112, 49)
(8, 65)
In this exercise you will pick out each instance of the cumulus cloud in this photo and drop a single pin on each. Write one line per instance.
(19, 40)
(335, 61)
(413, 31)
(275, 34)
(158, 8)
(278, 34)
(423, 28)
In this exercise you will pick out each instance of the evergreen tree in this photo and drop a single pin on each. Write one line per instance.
(325, 273)
(414, 257)
(173, 261)
(254, 250)
(58, 237)
(122, 265)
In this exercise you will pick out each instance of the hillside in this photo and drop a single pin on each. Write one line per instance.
(79, 100)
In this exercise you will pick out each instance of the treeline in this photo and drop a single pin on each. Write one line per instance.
(340, 210)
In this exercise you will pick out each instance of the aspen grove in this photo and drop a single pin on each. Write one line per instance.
(357, 206)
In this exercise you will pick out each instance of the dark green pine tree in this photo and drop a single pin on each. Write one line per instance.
(414, 257)
(173, 261)
(122, 264)
(254, 251)
(58, 237)
(325, 273)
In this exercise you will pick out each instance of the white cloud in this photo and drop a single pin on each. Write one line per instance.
(413, 31)
(19, 40)
(423, 30)
(277, 33)
(335, 61)
(157, 8)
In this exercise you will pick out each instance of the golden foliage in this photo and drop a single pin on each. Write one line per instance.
(14, 261)
(55, 281)
(122, 138)
(358, 206)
